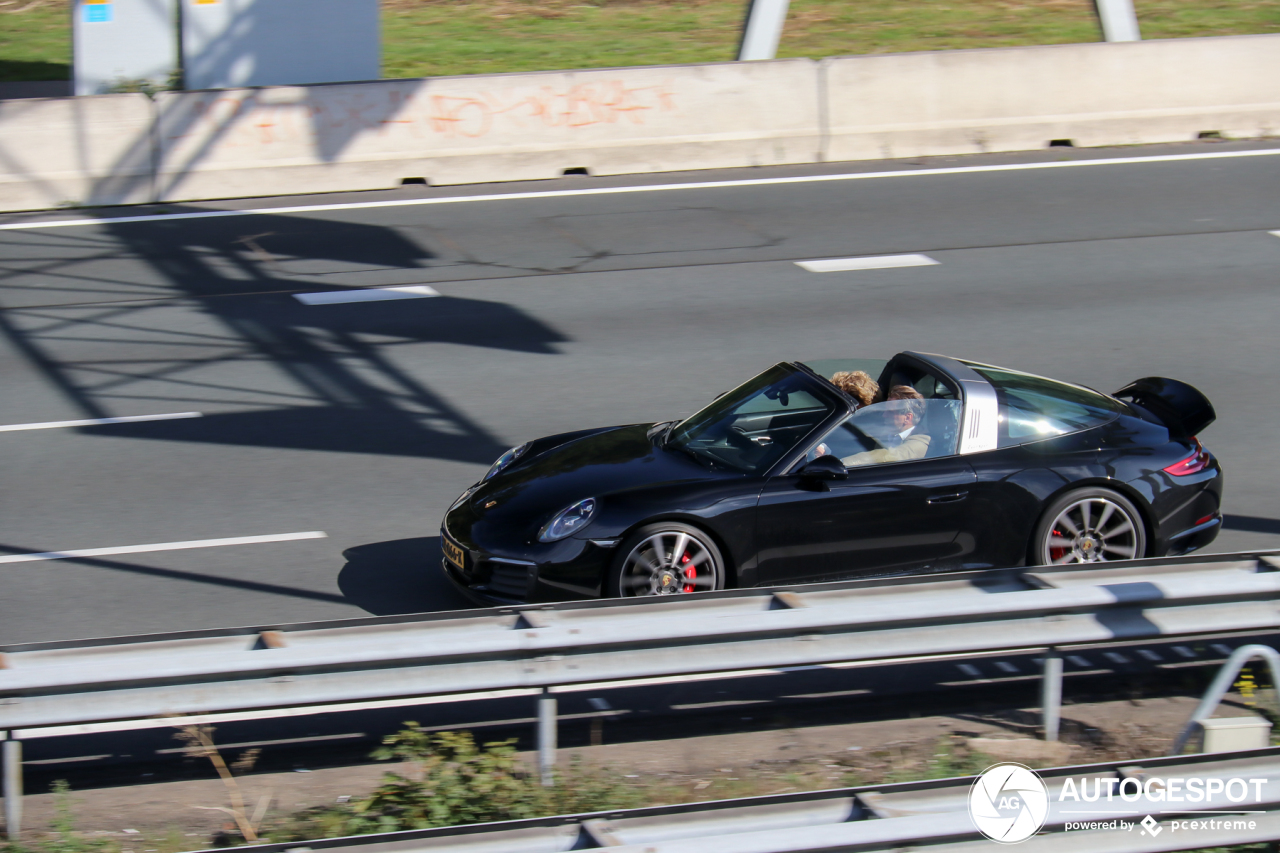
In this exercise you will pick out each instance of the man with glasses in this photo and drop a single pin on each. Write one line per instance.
(903, 410)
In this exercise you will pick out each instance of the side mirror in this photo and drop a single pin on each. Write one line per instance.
(825, 468)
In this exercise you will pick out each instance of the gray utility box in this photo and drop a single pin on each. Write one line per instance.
(232, 43)
(1232, 734)
(123, 41)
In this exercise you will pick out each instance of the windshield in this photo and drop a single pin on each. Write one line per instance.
(753, 426)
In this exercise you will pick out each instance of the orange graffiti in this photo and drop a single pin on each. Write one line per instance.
(242, 120)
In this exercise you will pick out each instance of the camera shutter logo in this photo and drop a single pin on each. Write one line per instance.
(1008, 803)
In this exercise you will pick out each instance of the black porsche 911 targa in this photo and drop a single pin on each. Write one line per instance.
(785, 479)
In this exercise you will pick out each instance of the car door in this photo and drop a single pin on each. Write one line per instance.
(887, 515)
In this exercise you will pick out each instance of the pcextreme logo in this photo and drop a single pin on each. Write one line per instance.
(1008, 803)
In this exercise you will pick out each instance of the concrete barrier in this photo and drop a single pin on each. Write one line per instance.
(112, 149)
(1015, 99)
(75, 151)
(505, 127)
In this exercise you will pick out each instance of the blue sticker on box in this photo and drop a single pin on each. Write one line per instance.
(97, 13)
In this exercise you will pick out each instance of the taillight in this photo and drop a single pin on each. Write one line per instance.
(1193, 464)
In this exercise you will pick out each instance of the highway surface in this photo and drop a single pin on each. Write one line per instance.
(332, 436)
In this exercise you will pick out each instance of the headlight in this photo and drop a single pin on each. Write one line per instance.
(569, 520)
(505, 461)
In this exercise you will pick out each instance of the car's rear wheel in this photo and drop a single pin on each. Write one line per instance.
(666, 558)
(1089, 526)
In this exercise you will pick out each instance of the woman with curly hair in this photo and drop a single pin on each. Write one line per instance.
(857, 384)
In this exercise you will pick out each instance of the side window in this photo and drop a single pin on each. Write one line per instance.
(1033, 409)
(929, 386)
(893, 431)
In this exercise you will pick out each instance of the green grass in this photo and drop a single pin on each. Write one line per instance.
(423, 38)
(35, 44)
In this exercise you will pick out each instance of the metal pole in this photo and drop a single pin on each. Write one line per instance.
(1222, 683)
(763, 29)
(1051, 694)
(547, 737)
(13, 788)
(1119, 22)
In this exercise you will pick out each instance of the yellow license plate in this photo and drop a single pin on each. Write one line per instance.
(453, 553)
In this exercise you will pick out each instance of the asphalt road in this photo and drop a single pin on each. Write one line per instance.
(364, 420)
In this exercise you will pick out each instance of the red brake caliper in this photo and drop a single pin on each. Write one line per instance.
(1060, 551)
(689, 573)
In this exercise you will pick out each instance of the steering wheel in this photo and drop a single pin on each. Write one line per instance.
(738, 437)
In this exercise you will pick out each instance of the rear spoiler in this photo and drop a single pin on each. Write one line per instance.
(1180, 407)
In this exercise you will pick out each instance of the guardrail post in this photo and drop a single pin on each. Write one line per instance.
(1051, 693)
(1119, 21)
(763, 29)
(547, 737)
(13, 788)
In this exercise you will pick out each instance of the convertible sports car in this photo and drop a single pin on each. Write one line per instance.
(785, 479)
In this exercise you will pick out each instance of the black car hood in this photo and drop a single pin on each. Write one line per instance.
(594, 466)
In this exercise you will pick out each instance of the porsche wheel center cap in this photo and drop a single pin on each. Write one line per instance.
(668, 580)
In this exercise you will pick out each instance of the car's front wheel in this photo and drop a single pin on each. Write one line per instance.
(666, 558)
(1089, 526)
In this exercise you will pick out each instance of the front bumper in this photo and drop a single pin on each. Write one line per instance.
(568, 570)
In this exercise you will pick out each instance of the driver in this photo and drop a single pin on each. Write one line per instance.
(904, 408)
(859, 385)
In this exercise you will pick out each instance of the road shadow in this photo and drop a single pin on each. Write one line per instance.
(400, 576)
(383, 432)
(332, 381)
(1251, 523)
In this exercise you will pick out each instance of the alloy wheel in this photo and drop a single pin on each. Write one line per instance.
(1092, 530)
(669, 562)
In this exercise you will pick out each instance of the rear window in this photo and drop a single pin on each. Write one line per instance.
(1033, 408)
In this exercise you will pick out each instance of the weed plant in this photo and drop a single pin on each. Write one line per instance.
(450, 781)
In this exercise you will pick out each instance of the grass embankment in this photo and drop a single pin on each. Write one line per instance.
(423, 38)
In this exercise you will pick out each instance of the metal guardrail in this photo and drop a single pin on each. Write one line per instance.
(145, 682)
(929, 815)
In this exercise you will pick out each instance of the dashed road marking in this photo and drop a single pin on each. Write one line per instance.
(879, 262)
(162, 546)
(129, 419)
(371, 294)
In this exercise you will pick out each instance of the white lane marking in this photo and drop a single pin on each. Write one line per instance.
(700, 185)
(130, 419)
(1274, 233)
(882, 262)
(163, 546)
(372, 294)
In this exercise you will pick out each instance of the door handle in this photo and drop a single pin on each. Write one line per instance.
(954, 497)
